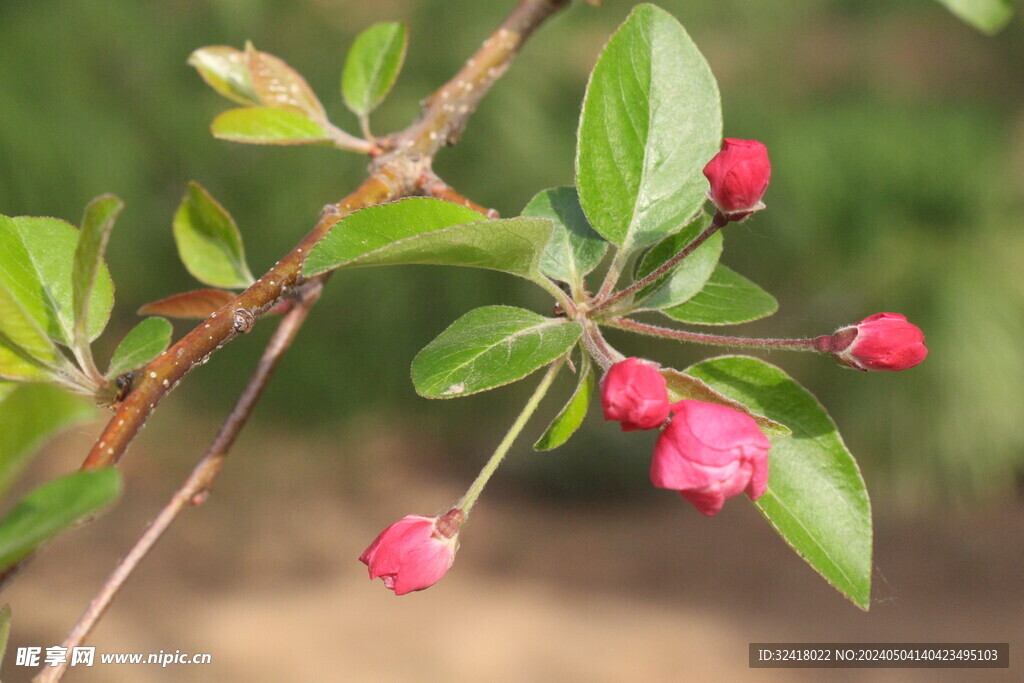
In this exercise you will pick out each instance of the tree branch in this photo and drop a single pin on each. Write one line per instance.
(165, 372)
(394, 174)
(193, 491)
(432, 185)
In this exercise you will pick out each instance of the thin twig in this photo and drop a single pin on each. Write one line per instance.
(193, 491)
(432, 185)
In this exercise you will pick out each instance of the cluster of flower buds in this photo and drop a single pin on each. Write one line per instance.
(707, 452)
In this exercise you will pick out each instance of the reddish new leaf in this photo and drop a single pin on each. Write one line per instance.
(198, 303)
(278, 85)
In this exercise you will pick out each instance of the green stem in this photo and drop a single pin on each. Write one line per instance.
(816, 344)
(83, 354)
(612, 276)
(469, 500)
(563, 299)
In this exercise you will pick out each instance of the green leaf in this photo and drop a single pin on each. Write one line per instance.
(687, 278)
(372, 66)
(16, 363)
(988, 16)
(143, 343)
(208, 240)
(31, 414)
(574, 249)
(5, 629)
(268, 126)
(571, 416)
(53, 507)
(97, 223)
(651, 120)
(682, 386)
(728, 298)
(490, 347)
(433, 232)
(816, 498)
(36, 290)
(226, 70)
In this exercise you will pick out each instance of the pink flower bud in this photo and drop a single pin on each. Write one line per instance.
(711, 452)
(739, 176)
(414, 552)
(883, 341)
(634, 393)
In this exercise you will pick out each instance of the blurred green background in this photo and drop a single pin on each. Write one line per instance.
(897, 139)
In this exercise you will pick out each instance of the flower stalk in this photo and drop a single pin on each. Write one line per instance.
(717, 223)
(816, 344)
(467, 501)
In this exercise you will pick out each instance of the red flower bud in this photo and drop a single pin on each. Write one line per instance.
(710, 452)
(634, 393)
(414, 552)
(883, 341)
(739, 176)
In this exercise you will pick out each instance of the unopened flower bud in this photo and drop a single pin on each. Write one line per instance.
(884, 341)
(710, 452)
(634, 393)
(414, 552)
(739, 176)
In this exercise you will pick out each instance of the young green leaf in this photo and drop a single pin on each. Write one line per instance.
(816, 498)
(208, 240)
(571, 416)
(198, 303)
(279, 86)
(682, 386)
(574, 249)
(372, 66)
(268, 126)
(31, 414)
(226, 70)
(6, 389)
(97, 223)
(19, 365)
(988, 16)
(728, 298)
(490, 347)
(434, 232)
(143, 343)
(53, 507)
(651, 120)
(687, 278)
(36, 290)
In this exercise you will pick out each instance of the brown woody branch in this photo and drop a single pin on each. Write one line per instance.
(193, 490)
(402, 171)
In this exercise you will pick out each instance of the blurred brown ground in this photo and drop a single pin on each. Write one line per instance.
(264, 577)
